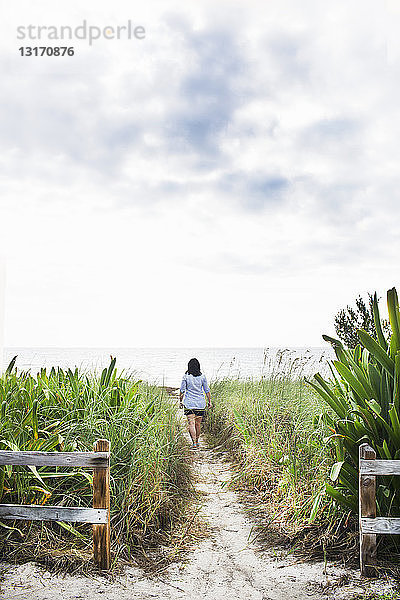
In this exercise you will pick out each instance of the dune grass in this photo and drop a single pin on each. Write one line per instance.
(58, 410)
(274, 430)
(283, 440)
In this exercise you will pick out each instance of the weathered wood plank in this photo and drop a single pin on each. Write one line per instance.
(380, 467)
(367, 508)
(101, 499)
(381, 525)
(55, 459)
(53, 513)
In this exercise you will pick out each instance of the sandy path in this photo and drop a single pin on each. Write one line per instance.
(225, 565)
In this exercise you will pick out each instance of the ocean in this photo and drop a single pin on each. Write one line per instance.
(165, 366)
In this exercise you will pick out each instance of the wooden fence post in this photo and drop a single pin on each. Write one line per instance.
(101, 499)
(367, 508)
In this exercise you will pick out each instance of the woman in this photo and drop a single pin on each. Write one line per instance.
(193, 387)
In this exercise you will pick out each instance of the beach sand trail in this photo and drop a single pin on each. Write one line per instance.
(225, 564)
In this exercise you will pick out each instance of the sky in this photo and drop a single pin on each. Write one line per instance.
(229, 180)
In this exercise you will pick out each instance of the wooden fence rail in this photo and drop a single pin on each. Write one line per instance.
(370, 524)
(98, 516)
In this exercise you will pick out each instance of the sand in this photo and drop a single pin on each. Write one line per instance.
(226, 564)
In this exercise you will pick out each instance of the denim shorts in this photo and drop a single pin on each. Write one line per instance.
(198, 412)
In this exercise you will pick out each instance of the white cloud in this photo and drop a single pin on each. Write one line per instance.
(238, 165)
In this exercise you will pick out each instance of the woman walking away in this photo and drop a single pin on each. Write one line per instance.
(193, 387)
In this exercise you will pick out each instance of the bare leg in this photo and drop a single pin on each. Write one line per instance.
(198, 427)
(192, 428)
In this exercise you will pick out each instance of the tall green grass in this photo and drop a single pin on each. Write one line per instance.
(275, 429)
(64, 410)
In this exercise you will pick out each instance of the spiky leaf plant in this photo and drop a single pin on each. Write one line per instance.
(364, 399)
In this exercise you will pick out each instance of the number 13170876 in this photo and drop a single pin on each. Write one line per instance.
(47, 51)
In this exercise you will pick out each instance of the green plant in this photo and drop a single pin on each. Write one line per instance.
(68, 410)
(364, 397)
(273, 430)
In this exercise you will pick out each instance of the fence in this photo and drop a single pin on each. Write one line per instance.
(99, 515)
(370, 524)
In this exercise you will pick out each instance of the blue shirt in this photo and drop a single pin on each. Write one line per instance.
(194, 389)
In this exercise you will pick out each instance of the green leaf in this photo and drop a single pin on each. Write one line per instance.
(347, 501)
(328, 395)
(36, 474)
(377, 351)
(338, 347)
(315, 507)
(375, 379)
(361, 375)
(365, 360)
(374, 406)
(35, 419)
(354, 383)
(386, 450)
(71, 529)
(11, 365)
(394, 319)
(378, 324)
(394, 418)
(396, 390)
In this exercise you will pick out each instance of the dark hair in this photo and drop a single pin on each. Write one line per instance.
(193, 367)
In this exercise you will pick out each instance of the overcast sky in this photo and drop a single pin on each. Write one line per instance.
(230, 180)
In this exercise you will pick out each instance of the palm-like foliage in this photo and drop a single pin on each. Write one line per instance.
(364, 397)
